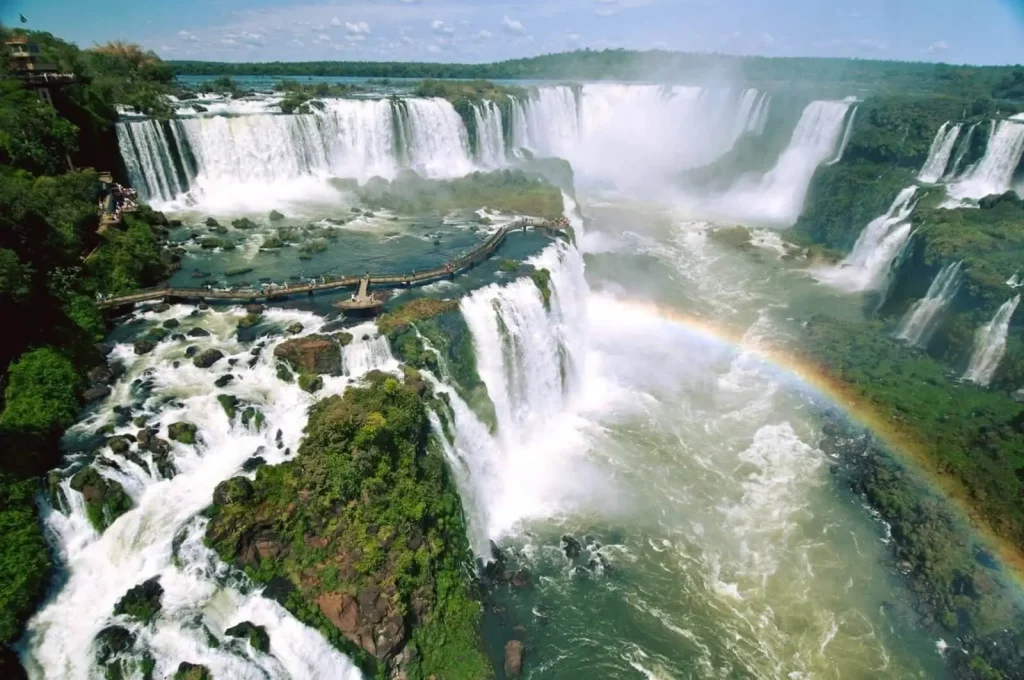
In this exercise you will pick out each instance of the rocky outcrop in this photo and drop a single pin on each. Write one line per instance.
(513, 658)
(142, 602)
(320, 354)
(191, 671)
(105, 499)
(207, 358)
(182, 432)
(143, 346)
(256, 635)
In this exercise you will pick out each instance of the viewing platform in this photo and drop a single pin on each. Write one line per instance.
(363, 301)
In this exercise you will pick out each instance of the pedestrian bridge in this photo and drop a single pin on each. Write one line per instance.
(324, 284)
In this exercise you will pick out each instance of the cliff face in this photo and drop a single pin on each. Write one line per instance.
(362, 535)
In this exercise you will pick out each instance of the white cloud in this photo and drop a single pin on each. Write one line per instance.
(322, 38)
(355, 38)
(439, 26)
(768, 39)
(407, 40)
(605, 11)
(936, 47)
(228, 41)
(513, 25)
(336, 22)
(484, 34)
(572, 37)
(357, 27)
(188, 37)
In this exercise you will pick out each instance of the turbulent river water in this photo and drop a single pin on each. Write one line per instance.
(715, 541)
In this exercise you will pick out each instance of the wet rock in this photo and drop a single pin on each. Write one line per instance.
(143, 346)
(164, 464)
(232, 361)
(111, 641)
(224, 380)
(520, 579)
(191, 671)
(257, 635)
(191, 350)
(210, 222)
(234, 490)
(207, 358)
(255, 309)
(94, 393)
(162, 307)
(571, 547)
(100, 375)
(249, 321)
(202, 306)
(295, 328)
(243, 223)
(103, 349)
(275, 216)
(142, 602)
(182, 432)
(144, 437)
(198, 332)
(513, 658)
(176, 364)
(105, 499)
(279, 439)
(310, 383)
(254, 463)
(171, 323)
(119, 444)
(228, 402)
(904, 567)
(311, 354)
(178, 337)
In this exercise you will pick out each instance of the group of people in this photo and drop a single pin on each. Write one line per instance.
(121, 200)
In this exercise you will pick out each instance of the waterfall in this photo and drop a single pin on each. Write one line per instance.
(961, 151)
(162, 535)
(778, 197)
(490, 138)
(918, 324)
(531, 359)
(990, 344)
(993, 174)
(877, 246)
(939, 153)
(214, 156)
(846, 137)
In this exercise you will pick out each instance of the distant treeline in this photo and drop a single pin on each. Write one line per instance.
(1002, 82)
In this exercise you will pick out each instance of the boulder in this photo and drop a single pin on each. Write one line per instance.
(224, 380)
(171, 323)
(571, 547)
(234, 490)
(294, 328)
(253, 464)
(207, 358)
(182, 432)
(248, 321)
(243, 223)
(520, 579)
(254, 308)
(257, 635)
(210, 222)
(162, 307)
(312, 354)
(142, 602)
(143, 346)
(228, 402)
(178, 337)
(100, 375)
(191, 671)
(111, 641)
(275, 216)
(310, 383)
(119, 444)
(198, 332)
(105, 499)
(513, 658)
(97, 392)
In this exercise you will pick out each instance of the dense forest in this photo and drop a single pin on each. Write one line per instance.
(851, 75)
(54, 259)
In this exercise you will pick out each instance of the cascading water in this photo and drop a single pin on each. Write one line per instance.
(918, 324)
(161, 536)
(490, 137)
(961, 152)
(994, 173)
(846, 136)
(778, 197)
(938, 155)
(876, 248)
(233, 156)
(990, 344)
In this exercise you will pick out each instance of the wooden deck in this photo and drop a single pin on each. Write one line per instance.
(277, 292)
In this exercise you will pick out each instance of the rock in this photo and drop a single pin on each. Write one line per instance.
(234, 490)
(513, 658)
(207, 358)
(143, 346)
(254, 309)
(103, 349)
(243, 223)
(295, 328)
(249, 320)
(520, 579)
(275, 216)
(141, 602)
(182, 432)
(224, 380)
(119, 444)
(105, 499)
(164, 464)
(198, 332)
(191, 671)
(94, 393)
(279, 439)
(100, 375)
(111, 641)
(311, 354)
(202, 306)
(210, 222)
(257, 635)
(178, 337)
(228, 402)
(254, 463)
(171, 323)
(571, 547)
(310, 383)
(161, 308)
(191, 351)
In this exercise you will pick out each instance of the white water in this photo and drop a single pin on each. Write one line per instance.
(938, 155)
(990, 344)
(867, 265)
(961, 152)
(918, 324)
(846, 137)
(636, 135)
(256, 160)
(994, 173)
(101, 568)
(777, 198)
(490, 139)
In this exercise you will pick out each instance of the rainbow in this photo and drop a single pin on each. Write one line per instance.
(858, 408)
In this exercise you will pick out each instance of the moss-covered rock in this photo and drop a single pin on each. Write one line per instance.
(207, 358)
(228, 402)
(243, 223)
(256, 635)
(190, 671)
(315, 354)
(542, 277)
(249, 320)
(105, 499)
(384, 569)
(310, 383)
(182, 432)
(141, 602)
(275, 216)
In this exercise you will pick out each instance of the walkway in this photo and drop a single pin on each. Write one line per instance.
(276, 292)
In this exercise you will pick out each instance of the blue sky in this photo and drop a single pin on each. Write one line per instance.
(981, 31)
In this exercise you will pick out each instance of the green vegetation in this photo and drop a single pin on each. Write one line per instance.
(141, 602)
(363, 526)
(298, 96)
(24, 559)
(542, 277)
(510, 191)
